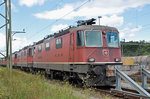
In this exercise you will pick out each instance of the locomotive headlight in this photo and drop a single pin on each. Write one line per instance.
(91, 59)
(117, 59)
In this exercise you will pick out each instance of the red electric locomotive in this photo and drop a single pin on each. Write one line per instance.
(2, 61)
(23, 58)
(86, 53)
(83, 52)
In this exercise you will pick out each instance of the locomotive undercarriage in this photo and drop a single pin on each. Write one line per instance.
(97, 76)
(90, 75)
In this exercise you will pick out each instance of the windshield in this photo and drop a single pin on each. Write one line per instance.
(93, 38)
(112, 40)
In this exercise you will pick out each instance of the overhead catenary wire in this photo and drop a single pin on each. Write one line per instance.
(35, 21)
(137, 17)
(59, 19)
(44, 28)
(145, 26)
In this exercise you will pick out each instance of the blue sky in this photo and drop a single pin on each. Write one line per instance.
(39, 18)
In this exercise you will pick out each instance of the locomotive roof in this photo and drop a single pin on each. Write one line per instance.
(70, 29)
(95, 27)
(26, 47)
(89, 27)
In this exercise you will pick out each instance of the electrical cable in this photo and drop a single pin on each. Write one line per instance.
(59, 19)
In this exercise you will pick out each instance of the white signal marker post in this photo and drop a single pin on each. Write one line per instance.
(99, 19)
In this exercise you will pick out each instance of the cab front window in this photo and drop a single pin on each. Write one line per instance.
(93, 38)
(112, 39)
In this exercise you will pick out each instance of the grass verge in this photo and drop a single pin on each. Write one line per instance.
(20, 85)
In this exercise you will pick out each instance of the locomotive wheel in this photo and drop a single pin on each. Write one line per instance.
(80, 82)
(34, 71)
(65, 77)
(47, 76)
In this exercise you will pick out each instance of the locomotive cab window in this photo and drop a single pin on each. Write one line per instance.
(93, 38)
(112, 39)
(24, 53)
(30, 52)
(15, 56)
(47, 46)
(39, 48)
(58, 43)
(80, 38)
(21, 54)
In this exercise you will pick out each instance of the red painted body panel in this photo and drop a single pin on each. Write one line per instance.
(53, 55)
(69, 51)
(3, 61)
(15, 60)
(29, 57)
(23, 56)
(83, 54)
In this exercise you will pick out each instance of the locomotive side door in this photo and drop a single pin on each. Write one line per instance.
(15, 59)
(71, 48)
(30, 56)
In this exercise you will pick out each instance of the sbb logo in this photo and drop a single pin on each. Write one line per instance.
(105, 52)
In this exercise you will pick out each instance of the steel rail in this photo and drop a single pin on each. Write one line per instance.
(120, 74)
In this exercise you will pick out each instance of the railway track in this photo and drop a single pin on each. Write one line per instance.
(107, 90)
(126, 94)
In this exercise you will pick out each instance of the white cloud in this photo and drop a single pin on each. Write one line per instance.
(13, 7)
(113, 20)
(92, 9)
(17, 44)
(56, 28)
(132, 35)
(136, 29)
(30, 3)
(55, 14)
(129, 32)
(110, 10)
